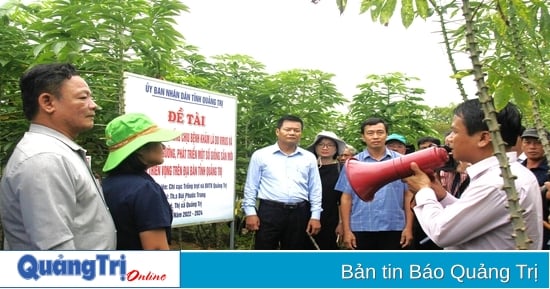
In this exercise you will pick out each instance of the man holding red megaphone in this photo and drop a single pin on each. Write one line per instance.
(479, 219)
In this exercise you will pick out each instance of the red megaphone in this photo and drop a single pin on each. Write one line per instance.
(367, 178)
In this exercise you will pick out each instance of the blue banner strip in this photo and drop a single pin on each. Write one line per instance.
(362, 269)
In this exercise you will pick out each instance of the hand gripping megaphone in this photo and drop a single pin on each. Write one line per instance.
(367, 178)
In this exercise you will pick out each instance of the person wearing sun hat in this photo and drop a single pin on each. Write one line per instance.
(326, 147)
(397, 142)
(339, 144)
(138, 204)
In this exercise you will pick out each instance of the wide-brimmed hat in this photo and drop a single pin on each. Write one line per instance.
(397, 137)
(129, 132)
(328, 134)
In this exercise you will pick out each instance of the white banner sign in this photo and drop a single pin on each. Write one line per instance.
(198, 173)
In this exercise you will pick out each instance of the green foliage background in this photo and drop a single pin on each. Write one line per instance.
(138, 36)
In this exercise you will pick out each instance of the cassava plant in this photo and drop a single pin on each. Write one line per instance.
(519, 52)
(518, 224)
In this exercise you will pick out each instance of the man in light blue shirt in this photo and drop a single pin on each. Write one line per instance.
(386, 222)
(284, 178)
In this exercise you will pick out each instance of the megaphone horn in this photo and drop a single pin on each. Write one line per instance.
(367, 178)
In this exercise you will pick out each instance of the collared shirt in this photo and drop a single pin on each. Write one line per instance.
(480, 220)
(275, 176)
(541, 173)
(49, 199)
(386, 211)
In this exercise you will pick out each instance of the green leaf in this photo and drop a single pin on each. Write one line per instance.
(544, 24)
(407, 12)
(366, 5)
(341, 5)
(387, 11)
(57, 47)
(375, 6)
(520, 94)
(510, 87)
(522, 11)
(38, 48)
(422, 8)
(502, 95)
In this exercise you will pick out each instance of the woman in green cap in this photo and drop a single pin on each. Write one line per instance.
(138, 204)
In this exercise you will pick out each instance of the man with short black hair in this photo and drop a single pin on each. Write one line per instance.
(479, 219)
(386, 222)
(285, 179)
(49, 198)
(427, 141)
(538, 164)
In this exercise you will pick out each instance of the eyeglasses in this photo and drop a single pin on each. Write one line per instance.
(327, 145)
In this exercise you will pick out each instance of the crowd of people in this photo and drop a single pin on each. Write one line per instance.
(458, 206)
(294, 198)
(426, 211)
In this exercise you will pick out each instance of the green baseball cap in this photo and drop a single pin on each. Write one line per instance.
(127, 133)
(396, 137)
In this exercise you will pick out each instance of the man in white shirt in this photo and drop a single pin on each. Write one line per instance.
(479, 220)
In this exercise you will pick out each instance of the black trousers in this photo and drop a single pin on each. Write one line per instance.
(381, 240)
(282, 226)
(326, 238)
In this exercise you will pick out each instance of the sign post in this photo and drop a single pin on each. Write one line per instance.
(198, 173)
